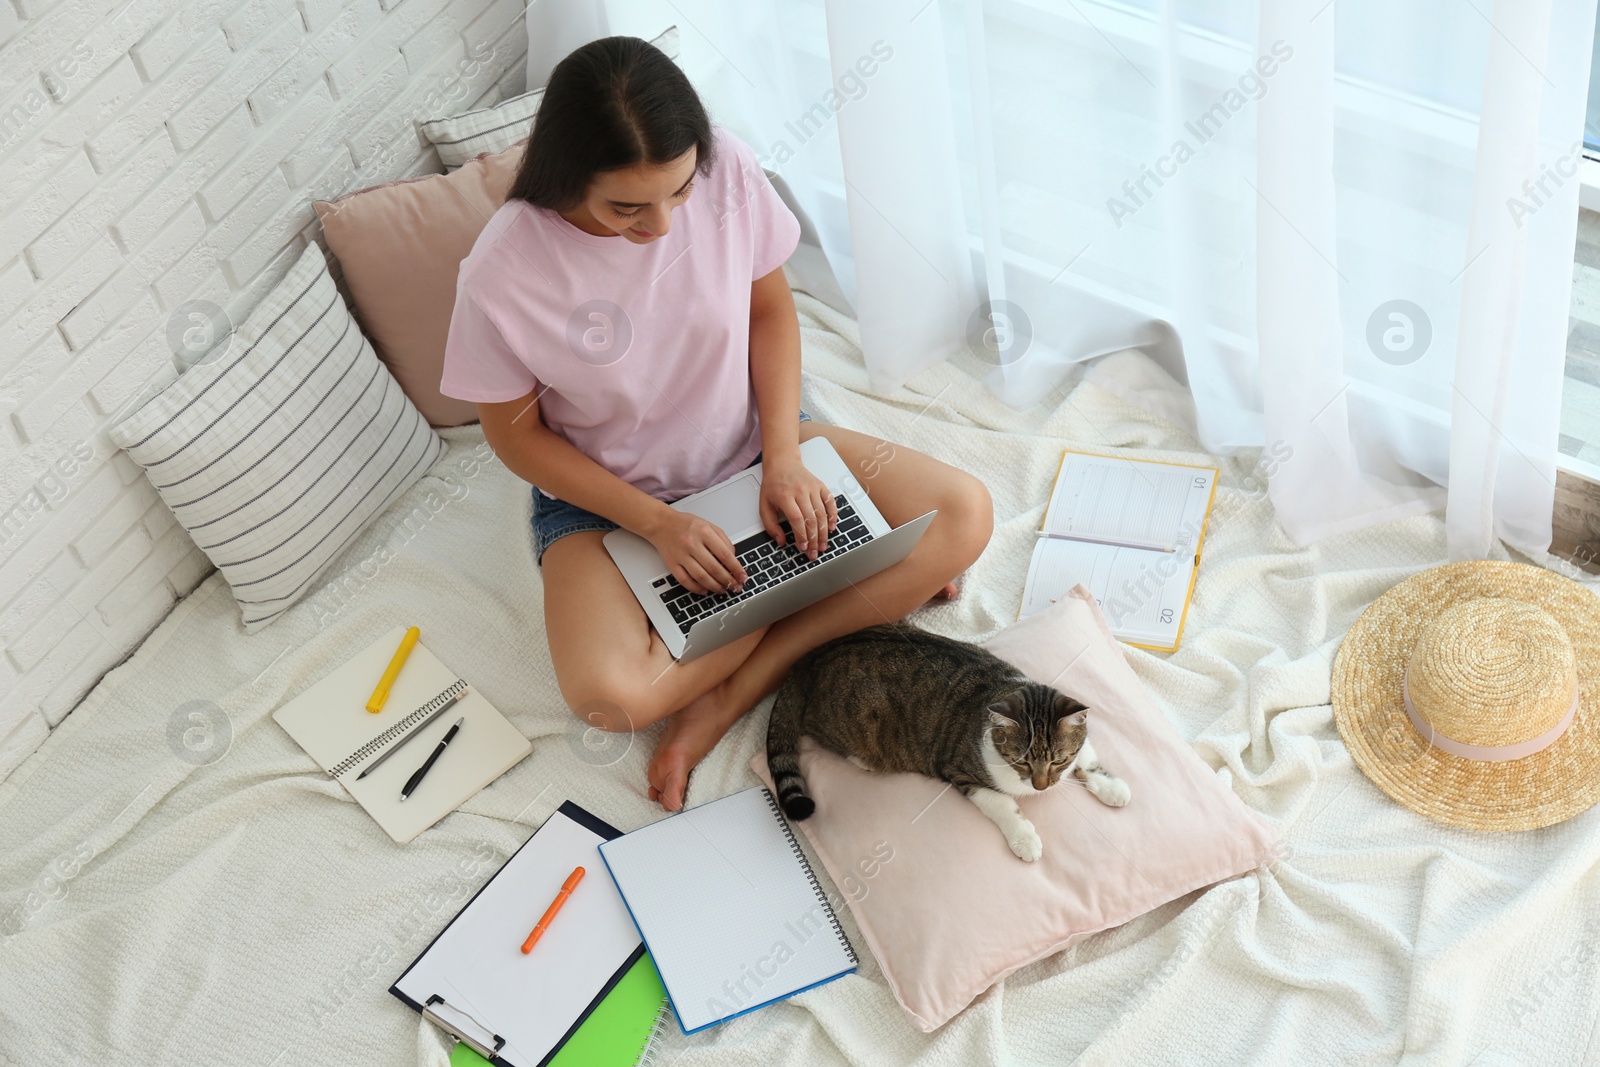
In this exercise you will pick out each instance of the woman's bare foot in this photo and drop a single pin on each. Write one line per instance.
(690, 734)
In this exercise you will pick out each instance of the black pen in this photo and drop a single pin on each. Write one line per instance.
(415, 731)
(416, 779)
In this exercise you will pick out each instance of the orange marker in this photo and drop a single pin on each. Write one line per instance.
(555, 905)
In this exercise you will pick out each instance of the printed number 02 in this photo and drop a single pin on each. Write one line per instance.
(1166, 614)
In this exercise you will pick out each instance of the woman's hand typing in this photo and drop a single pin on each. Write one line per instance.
(696, 551)
(789, 491)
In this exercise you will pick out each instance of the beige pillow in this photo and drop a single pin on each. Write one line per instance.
(938, 896)
(400, 245)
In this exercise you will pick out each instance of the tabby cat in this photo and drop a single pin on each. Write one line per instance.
(897, 698)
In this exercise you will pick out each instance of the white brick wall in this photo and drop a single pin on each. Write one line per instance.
(154, 152)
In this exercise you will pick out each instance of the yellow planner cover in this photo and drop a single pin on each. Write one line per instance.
(1129, 530)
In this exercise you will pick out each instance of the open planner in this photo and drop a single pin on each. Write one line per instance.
(1130, 531)
(729, 908)
(330, 721)
(519, 1010)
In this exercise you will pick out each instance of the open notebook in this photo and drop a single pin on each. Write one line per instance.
(330, 721)
(1130, 531)
(729, 907)
(518, 1010)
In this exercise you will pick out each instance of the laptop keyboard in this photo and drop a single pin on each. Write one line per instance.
(766, 562)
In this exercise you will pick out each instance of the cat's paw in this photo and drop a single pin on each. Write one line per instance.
(1113, 792)
(1025, 841)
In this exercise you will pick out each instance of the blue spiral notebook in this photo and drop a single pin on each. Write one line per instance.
(729, 908)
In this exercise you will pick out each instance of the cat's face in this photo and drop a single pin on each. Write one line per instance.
(1038, 731)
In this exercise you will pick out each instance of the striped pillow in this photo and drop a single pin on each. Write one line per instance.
(495, 129)
(282, 444)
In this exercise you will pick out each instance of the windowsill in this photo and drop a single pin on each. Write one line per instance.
(1581, 468)
(1588, 199)
(1589, 183)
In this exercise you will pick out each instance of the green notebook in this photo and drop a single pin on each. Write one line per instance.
(620, 1032)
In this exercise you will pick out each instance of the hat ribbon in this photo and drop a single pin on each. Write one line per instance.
(1488, 753)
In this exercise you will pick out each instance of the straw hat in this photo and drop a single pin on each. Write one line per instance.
(1470, 693)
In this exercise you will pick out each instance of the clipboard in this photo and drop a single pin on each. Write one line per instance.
(473, 980)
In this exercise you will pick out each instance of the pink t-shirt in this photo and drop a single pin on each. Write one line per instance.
(641, 353)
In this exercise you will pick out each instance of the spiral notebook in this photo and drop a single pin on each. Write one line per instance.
(330, 721)
(729, 908)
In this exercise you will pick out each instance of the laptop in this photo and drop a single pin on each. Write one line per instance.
(782, 580)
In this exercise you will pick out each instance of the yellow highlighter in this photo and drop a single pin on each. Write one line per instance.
(381, 694)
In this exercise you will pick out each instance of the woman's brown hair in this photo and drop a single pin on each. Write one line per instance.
(615, 102)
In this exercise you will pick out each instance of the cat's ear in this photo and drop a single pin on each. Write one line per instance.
(1065, 729)
(1065, 705)
(1069, 712)
(1006, 712)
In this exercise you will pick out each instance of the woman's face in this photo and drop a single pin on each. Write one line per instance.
(635, 202)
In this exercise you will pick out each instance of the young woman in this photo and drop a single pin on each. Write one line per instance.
(624, 326)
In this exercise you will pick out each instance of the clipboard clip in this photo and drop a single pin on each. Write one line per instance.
(480, 1039)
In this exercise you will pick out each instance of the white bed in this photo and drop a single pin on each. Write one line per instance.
(244, 911)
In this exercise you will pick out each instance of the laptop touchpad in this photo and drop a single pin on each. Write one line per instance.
(735, 506)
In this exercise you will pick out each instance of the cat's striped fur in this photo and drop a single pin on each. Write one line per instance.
(897, 698)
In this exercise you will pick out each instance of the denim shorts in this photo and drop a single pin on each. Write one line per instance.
(554, 519)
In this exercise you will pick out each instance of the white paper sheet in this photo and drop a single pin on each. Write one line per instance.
(531, 1000)
(1126, 501)
(727, 910)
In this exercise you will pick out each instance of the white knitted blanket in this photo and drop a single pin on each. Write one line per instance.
(179, 883)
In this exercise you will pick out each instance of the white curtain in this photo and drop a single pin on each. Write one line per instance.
(1346, 225)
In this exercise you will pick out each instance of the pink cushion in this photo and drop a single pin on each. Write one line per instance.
(951, 911)
(400, 245)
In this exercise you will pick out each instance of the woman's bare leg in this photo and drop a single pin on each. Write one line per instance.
(904, 484)
(616, 674)
(611, 665)
(613, 669)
